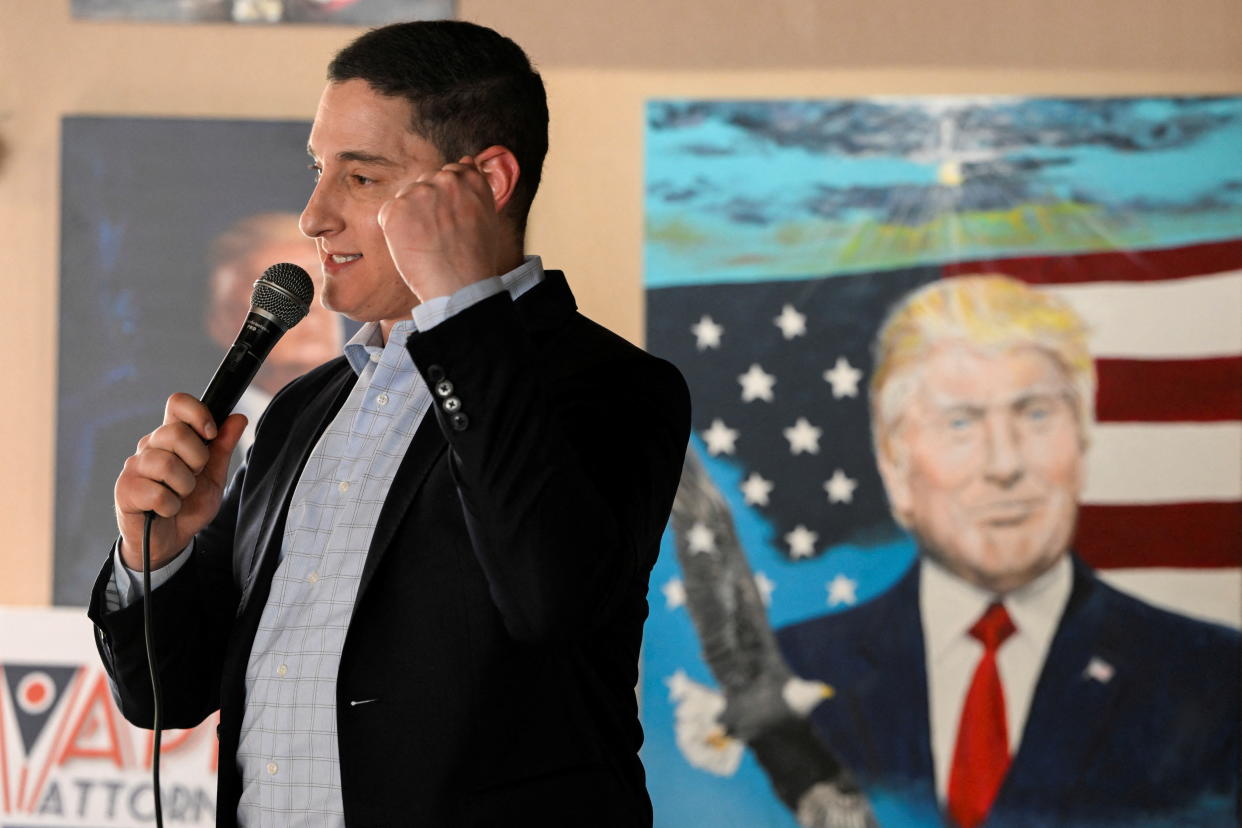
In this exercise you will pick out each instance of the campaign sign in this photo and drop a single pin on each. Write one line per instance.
(67, 755)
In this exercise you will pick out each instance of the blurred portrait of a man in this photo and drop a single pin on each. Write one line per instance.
(1000, 682)
(238, 257)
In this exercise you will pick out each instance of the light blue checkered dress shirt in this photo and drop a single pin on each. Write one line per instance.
(288, 754)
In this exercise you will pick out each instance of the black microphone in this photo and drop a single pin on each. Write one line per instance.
(280, 299)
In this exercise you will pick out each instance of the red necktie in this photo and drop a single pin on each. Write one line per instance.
(981, 757)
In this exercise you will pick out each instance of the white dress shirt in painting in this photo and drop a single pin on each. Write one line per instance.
(949, 607)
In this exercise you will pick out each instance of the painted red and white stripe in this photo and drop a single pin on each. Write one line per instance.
(1162, 511)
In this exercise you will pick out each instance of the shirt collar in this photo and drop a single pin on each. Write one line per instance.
(1036, 608)
(370, 339)
(358, 349)
(950, 606)
(523, 277)
(368, 342)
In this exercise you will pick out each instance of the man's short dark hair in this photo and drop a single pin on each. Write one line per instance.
(469, 86)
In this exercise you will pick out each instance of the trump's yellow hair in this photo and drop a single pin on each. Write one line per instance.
(989, 312)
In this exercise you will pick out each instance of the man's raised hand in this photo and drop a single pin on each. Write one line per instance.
(443, 229)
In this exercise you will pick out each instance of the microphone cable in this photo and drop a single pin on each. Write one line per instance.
(156, 692)
(280, 299)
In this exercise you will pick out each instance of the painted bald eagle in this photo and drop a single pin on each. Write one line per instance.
(765, 704)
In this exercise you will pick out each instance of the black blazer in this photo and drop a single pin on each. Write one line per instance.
(500, 611)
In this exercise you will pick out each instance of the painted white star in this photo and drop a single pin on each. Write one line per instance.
(841, 590)
(844, 379)
(803, 437)
(674, 593)
(801, 542)
(700, 539)
(756, 490)
(765, 585)
(706, 333)
(791, 322)
(720, 438)
(756, 384)
(840, 488)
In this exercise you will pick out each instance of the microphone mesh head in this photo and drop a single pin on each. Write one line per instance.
(285, 291)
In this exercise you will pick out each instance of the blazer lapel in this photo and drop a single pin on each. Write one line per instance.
(893, 696)
(873, 656)
(425, 449)
(1071, 710)
(304, 433)
(256, 562)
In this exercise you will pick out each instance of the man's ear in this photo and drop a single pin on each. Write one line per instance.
(500, 168)
(895, 472)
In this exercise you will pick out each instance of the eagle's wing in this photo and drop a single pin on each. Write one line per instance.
(766, 705)
(721, 595)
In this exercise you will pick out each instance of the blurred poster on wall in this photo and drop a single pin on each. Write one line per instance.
(67, 756)
(980, 562)
(338, 12)
(166, 224)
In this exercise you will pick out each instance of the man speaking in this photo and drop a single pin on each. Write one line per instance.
(420, 601)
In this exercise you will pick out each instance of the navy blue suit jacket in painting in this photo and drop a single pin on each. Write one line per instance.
(1153, 744)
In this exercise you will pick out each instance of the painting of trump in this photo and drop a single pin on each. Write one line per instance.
(1000, 682)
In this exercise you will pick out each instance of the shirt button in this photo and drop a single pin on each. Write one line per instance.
(313, 577)
(272, 768)
(382, 399)
(375, 357)
(343, 486)
(282, 669)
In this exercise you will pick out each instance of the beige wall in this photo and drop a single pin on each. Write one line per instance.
(601, 59)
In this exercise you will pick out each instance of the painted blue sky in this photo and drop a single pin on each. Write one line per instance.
(738, 190)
